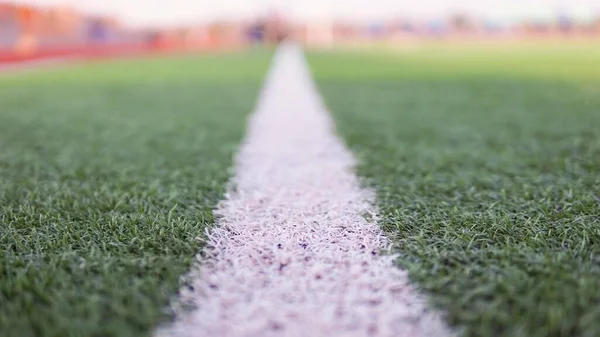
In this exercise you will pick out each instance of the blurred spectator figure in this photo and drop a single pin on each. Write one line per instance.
(27, 41)
(565, 24)
(256, 32)
(461, 23)
(152, 38)
(376, 30)
(9, 26)
(97, 31)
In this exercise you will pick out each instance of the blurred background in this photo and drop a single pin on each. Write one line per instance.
(31, 30)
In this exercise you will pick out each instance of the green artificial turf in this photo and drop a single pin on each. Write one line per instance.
(108, 174)
(487, 169)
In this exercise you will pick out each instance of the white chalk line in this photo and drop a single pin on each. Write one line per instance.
(296, 250)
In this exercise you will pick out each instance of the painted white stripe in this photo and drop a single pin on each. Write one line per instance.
(292, 253)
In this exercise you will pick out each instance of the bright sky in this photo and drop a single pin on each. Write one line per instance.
(174, 12)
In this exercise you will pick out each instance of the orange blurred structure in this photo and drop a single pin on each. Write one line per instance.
(29, 33)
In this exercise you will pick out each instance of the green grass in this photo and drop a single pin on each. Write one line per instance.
(487, 168)
(108, 174)
(434, 61)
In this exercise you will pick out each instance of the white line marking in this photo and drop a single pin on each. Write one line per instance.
(292, 253)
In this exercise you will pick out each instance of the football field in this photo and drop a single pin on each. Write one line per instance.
(484, 165)
(108, 175)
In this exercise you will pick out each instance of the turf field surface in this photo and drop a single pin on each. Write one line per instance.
(485, 163)
(291, 253)
(109, 171)
(487, 169)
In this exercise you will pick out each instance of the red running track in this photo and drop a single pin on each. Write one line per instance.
(11, 57)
